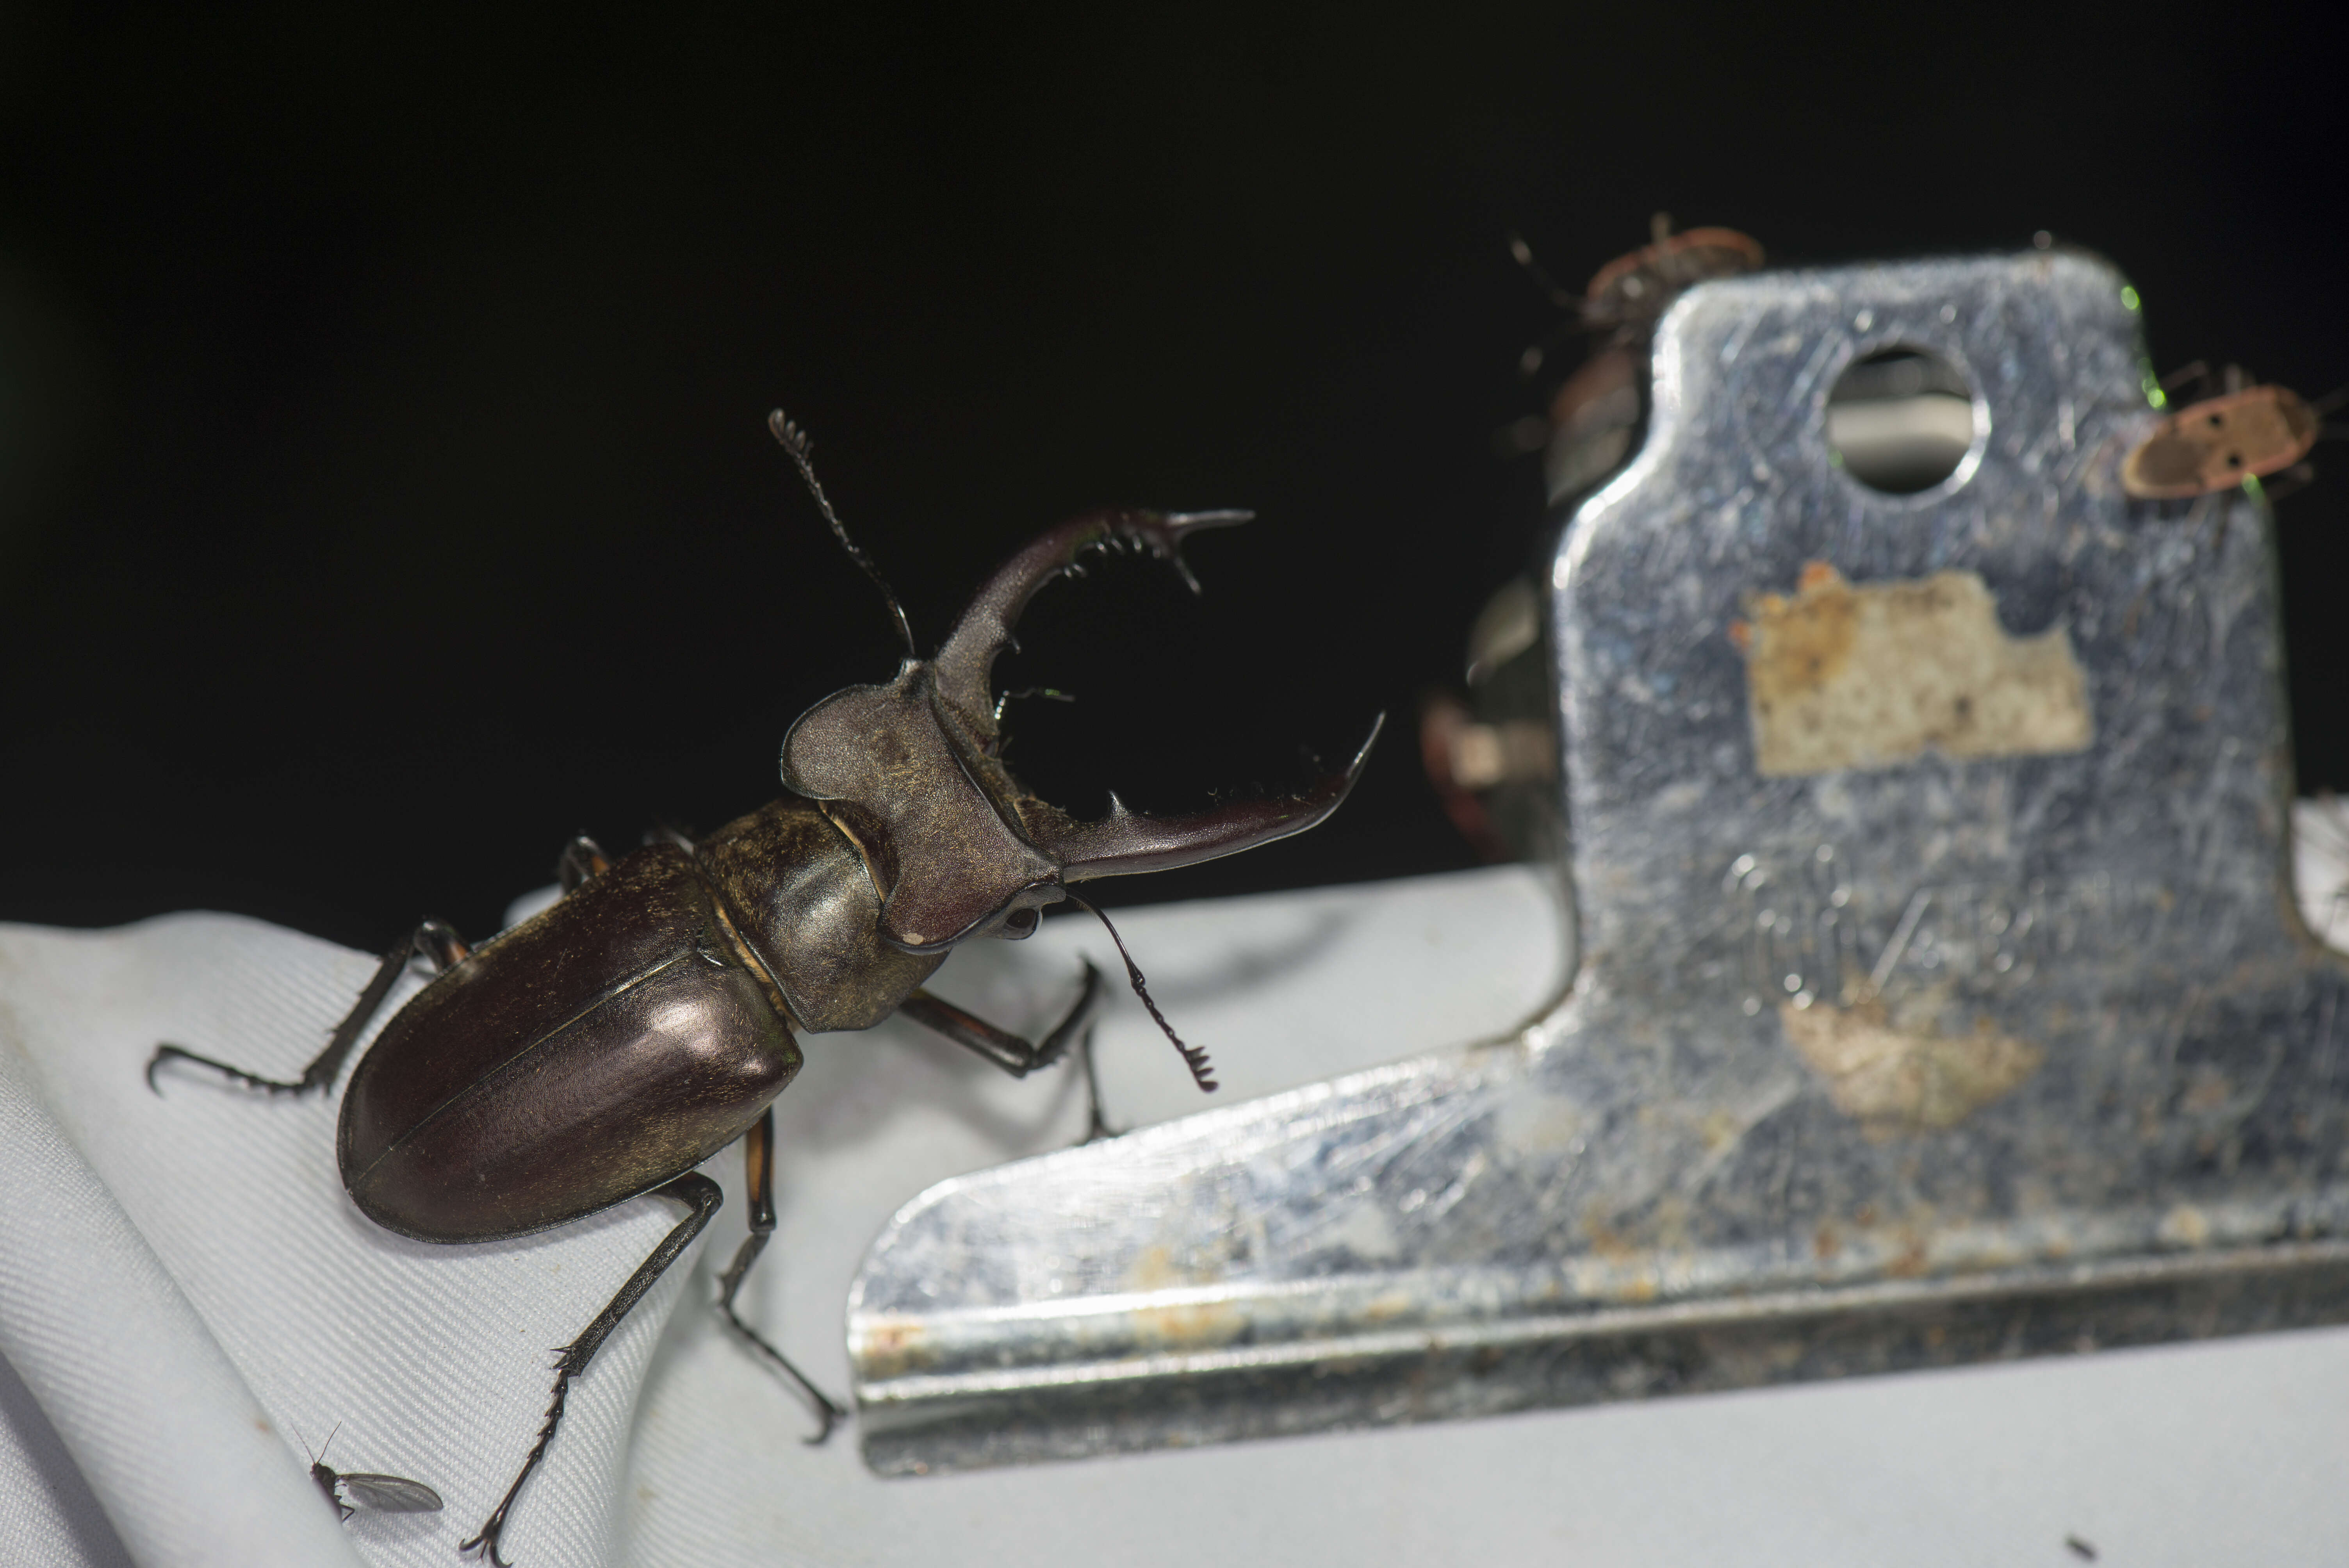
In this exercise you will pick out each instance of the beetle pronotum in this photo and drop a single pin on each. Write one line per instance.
(606, 1046)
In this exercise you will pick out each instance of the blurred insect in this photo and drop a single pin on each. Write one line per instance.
(377, 1493)
(1630, 293)
(1628, 296)
(1594, 414)
(2246, 432)
(1491, 752)
(2080, 1549)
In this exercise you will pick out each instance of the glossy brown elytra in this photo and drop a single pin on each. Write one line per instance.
(2249, 433)
(606, 1046)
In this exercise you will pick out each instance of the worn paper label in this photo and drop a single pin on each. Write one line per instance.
(1841, 676)
(1913, 1078)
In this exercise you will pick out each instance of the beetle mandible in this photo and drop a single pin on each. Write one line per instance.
(608, 1045)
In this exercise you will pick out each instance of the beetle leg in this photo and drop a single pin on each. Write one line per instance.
(435, 941)
(582, 857)
(1006, 1050)
(2291, 482)
(699, 1194)
(1096, 1124)
(759, 1166)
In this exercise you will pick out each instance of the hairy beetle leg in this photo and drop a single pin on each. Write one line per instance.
(699, 1194)
(582, 857)
(1017, 1055)
(758, 1168)
(435, 942)
(1096, 1124)
(1006, 1050)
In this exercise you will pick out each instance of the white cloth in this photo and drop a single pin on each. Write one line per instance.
(185, 1291)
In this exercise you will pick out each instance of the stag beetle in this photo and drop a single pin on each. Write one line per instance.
(608, 1045)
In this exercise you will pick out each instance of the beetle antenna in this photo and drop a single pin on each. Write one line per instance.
(1203, 1072)
(1523, 255)
(795, 441)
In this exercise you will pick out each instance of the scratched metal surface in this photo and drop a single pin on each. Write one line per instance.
(2108, 1106)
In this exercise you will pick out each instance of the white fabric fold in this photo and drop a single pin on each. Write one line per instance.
(187, 1297)
(167, 1438)
(160, 1244)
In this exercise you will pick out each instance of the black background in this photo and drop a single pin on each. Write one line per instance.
(384, 493)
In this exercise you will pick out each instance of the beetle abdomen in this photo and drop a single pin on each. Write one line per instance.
(608, 1045)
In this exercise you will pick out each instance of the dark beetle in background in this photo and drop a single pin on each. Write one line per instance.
(1490, 751)
(606, 1046)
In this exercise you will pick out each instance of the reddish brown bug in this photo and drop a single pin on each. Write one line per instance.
(2246, 432)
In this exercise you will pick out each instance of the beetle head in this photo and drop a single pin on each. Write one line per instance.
(911, 771)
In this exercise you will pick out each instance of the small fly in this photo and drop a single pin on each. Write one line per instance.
(363, 1489)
